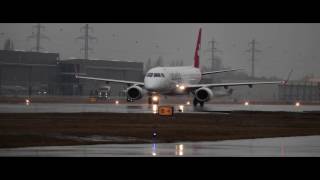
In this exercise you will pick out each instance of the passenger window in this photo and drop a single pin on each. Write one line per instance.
(149, 74)
(157, 75)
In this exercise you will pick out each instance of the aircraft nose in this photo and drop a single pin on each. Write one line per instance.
(153, 85)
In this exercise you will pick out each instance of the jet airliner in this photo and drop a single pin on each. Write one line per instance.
(175, 81)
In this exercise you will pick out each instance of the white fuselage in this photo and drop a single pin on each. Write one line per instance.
(167, 80)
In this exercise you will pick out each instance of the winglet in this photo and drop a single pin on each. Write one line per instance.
(285, 82)
(196, 53)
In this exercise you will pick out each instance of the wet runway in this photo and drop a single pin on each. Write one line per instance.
(145, 108)
(280, 147)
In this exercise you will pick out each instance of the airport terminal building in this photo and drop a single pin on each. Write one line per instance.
(38, 73)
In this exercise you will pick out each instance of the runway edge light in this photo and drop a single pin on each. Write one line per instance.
(27, 101)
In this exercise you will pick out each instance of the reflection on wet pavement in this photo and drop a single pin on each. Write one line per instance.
(285, 146)
(179, 150)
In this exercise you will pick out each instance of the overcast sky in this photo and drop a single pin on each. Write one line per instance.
(283, 46)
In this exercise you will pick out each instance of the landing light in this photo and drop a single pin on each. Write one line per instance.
(177, 85)
(182, 87)
(155, 98)
(188, 102)
(117, 102)
(246, 103)
(297, 104)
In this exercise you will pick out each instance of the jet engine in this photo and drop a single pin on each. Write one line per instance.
(203, 94)
(134, 93)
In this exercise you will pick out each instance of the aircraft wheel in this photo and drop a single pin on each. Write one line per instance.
(149, 100)
(201, 104)
(195, 102)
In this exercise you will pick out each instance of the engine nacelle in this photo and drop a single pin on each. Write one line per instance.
(135, 93)
(203, 94)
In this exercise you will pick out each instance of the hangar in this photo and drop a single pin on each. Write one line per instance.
(27, 73)
(40, 73)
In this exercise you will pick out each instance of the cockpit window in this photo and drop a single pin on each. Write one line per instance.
(155, 75)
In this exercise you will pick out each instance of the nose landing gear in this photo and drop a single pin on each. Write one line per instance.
(153, 100)
(149, 100)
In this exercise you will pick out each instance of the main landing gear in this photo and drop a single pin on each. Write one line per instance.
(195, 102)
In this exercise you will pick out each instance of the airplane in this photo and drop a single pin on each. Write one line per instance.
(176, 81)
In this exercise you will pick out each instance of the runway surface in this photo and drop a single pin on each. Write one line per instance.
(145, 108)
(280, 147)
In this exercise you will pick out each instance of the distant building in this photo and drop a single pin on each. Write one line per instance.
(38, 73)
(314, 80)
(258, 93)
(27, 73)
(8, 45)
(305, 91)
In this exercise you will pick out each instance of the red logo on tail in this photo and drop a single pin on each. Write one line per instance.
(196, 53)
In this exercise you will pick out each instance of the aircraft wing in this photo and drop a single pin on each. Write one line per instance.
(220, 71)
(226, 85)
(110, 80)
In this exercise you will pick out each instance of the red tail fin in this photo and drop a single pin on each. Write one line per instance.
(196, 53)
